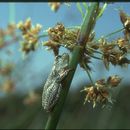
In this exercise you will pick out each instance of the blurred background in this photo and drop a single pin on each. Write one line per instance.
(22, 79)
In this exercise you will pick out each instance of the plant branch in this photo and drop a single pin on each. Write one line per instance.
(86, 29)
(88, 25)
(117, 31)
(88, 73)
(7, 43)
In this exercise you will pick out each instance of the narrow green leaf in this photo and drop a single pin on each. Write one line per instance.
(113, 33)
(86, 6)
(80, 9)
(102, 10)
(88, 73)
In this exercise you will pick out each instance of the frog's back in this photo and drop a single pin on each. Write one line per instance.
(50, 96)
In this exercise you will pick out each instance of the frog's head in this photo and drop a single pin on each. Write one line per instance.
(62, 61)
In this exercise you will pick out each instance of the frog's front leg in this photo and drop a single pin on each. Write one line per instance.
(63, 73)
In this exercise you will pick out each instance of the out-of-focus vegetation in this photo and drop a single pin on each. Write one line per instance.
(15, 113)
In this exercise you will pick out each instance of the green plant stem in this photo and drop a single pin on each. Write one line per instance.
(80, 9)
(74, 27)
(95, 57)
(86, 29)
(95, 50)
(55, 114)
(110, 34)
(88, 25)
(43, 35)
(11, 12)
(88, 73)
(117, 31)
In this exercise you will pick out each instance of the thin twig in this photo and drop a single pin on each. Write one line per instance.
(85, 67)
(7, 43)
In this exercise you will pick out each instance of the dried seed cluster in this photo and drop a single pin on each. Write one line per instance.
(31, 98)
(99, 93)
(6, 70)
(9, 32)
(30, 35)
(61, 36)
(125, 19)
(8, 86)
(114, 52)
(54, 5)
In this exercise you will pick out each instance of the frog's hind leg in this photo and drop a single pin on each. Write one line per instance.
(55, 97)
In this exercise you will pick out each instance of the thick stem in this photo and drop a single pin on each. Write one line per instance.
(88, 24)
(86, 28)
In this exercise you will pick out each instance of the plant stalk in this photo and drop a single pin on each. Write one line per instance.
(86, 29)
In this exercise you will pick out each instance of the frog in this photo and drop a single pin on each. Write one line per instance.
(53, 85)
